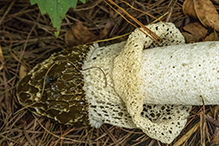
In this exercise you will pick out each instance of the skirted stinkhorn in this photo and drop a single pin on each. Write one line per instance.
(132, 84)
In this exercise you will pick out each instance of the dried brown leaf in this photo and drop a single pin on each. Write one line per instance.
(212, 37)
(207, 13)
(188, 8)
(70, 39)
(106, 30)
(22, 72)
(189, 38)
(79, 34)
(196, 29)
(195, 32)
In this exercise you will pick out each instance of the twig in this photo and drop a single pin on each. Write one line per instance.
(9, 8)
(151, 35)
(212, 120)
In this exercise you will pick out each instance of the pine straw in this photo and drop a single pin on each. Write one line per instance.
(27, 38)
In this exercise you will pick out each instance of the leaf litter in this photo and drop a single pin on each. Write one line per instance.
(79, 34)
(194, 32)
(19, 38)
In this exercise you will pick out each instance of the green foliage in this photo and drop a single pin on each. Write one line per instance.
(56, 9)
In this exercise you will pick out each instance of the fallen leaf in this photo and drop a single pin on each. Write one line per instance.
(195, 31)
(79, 34)
(70, 39)
(207, 13)
(212, 37)
(189, 38)
(106, 30)
(22, 72)
(188, 8)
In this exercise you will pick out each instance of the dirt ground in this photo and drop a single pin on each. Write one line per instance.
(27, 38)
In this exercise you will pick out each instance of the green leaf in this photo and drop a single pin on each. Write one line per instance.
(56, 9)
(83, 1)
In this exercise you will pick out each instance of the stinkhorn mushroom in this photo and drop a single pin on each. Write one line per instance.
(132, 84)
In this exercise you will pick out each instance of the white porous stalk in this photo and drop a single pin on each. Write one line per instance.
(182, 74)
(135, 84)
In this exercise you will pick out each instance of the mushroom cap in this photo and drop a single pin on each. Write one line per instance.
(54, 88)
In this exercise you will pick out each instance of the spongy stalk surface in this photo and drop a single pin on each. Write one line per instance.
(181, 74)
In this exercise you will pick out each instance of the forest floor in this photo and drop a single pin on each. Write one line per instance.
(27, 38)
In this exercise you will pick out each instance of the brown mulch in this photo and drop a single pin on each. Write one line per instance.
(27, 38)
